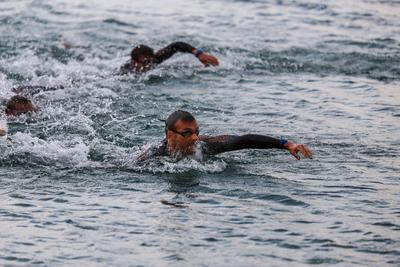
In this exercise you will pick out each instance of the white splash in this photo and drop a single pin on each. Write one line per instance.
(56, 153)
(179, 164)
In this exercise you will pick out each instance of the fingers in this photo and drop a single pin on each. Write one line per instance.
(305, 151)
(295, 155)
(214, 61)
(206, 63)
(309, 152)
(208, 60)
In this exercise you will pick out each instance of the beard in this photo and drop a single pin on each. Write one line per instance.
(179, 153)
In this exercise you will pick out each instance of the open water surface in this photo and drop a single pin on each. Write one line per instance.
(322, 73)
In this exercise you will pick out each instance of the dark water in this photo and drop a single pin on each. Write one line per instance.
(326, 74)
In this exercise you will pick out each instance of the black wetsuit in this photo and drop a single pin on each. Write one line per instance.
(163, 54)
(29, 90)
(212, 145)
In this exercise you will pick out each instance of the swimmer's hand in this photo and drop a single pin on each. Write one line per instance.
(294, 149)
(3, 132)
(208, 60)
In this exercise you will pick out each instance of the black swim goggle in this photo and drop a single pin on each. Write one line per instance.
(187, 133)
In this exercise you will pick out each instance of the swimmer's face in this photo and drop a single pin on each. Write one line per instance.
(184, 136)
(143, 63)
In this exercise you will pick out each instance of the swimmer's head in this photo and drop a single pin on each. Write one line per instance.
(18, 105)
(182, 132)
(142, 57)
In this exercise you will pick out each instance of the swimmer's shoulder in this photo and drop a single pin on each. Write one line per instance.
(125, 69)
(154, 151)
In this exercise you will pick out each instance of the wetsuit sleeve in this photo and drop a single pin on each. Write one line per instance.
(167, 52)
(29, 90)
(224, 143)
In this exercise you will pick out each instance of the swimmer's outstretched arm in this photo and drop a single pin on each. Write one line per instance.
(167, 52)
(224, 143)
(34, 89)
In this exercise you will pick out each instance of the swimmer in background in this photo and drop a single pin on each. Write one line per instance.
(182, 139)
(143, 57)
(15, 106)
(18, 105)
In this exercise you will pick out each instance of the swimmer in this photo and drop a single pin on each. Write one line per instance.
(143, 57)
(182, 138)
(18, 105)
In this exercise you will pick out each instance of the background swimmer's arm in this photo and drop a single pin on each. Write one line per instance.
(167, 52)
(29, 90)
(224, 143)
